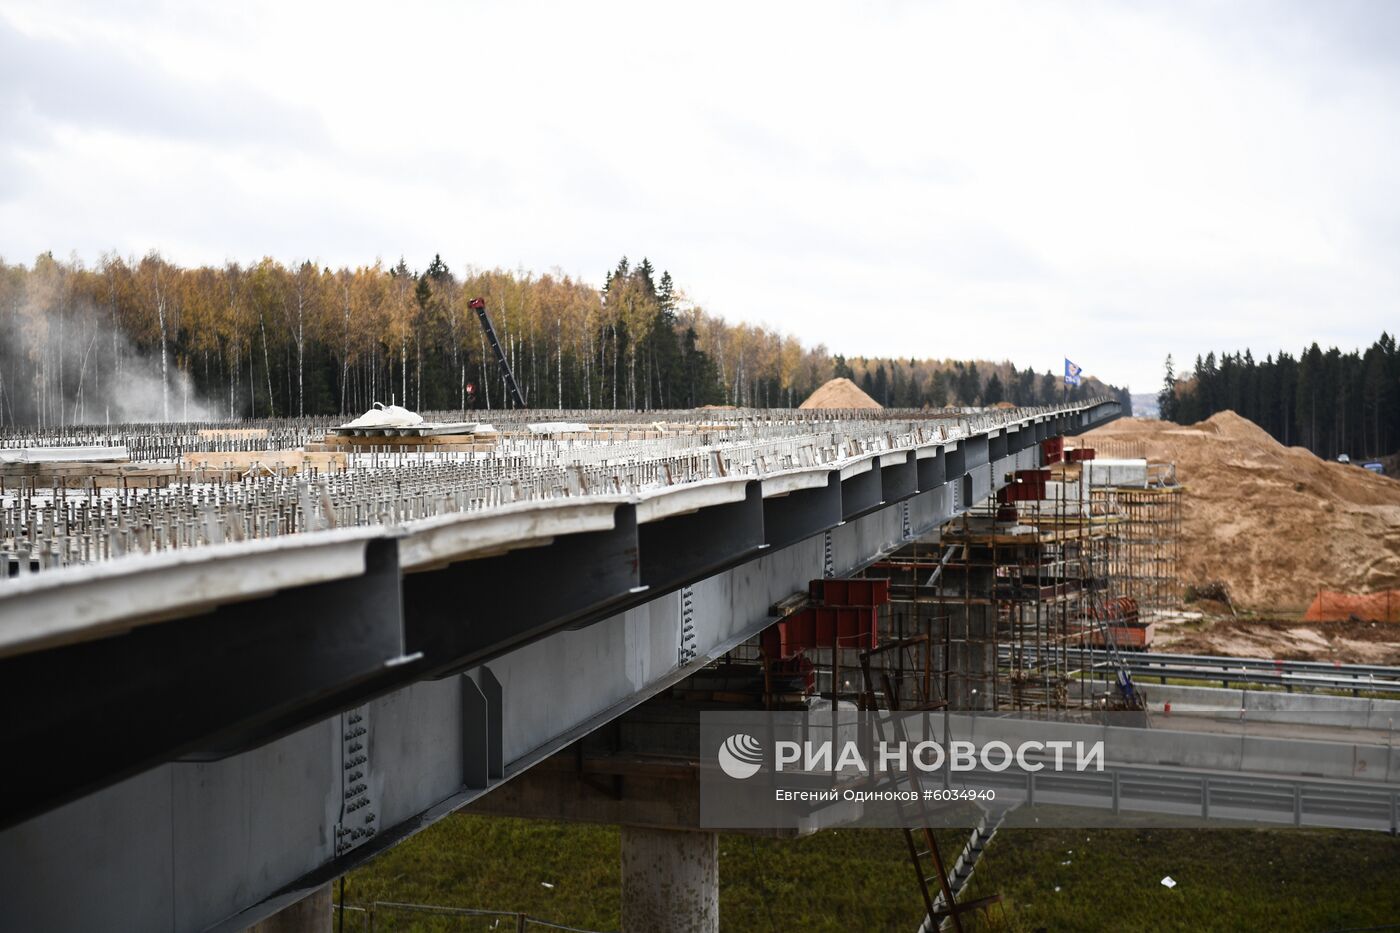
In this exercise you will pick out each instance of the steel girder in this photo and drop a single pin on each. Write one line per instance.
(250, 703)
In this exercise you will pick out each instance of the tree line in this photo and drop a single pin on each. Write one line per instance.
(146, 339)
(1325, 400)
(915, 383)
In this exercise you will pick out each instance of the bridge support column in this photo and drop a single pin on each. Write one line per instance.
(311, 914)
(670, 881)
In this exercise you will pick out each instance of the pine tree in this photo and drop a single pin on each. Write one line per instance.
(644, 273)
(1166, 399)
(938, 390)
(969, 385)
(437, 269)
(666, 294)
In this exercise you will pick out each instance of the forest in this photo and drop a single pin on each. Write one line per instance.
(914, 383)
(145, 339)
(1325, 400)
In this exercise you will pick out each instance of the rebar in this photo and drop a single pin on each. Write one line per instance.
(62, 514)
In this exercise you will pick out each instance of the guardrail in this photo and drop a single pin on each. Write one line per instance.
(1278, 664)
(1204, 796)
(1289, 675)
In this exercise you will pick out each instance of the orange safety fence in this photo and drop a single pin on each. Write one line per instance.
(1331, 606)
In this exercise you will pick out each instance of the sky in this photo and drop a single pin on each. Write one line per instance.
(1110, 182)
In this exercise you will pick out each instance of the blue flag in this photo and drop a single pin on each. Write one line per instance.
(1072, 371)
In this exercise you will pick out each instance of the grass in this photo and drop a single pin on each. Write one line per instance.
(1226, 879)
(861, 879)
(501, 864)
(831, 881)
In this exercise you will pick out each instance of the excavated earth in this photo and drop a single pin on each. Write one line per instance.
(1275, 525)
(839, 393)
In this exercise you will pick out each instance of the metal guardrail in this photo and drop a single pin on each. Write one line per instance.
(1278, 664)
(1289, 675)
(1289, 681)
(1121, 789)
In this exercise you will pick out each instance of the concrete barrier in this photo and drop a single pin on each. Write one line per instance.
(1278, 706)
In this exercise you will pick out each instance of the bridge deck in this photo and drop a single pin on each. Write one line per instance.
(214, 728)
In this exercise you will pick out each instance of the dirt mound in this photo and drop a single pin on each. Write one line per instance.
(839, 393)
(1232, 427)
(1276, 524)
(1346, 642)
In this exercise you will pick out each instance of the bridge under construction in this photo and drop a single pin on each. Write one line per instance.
(245, 658)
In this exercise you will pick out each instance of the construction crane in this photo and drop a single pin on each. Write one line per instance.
(479, 306)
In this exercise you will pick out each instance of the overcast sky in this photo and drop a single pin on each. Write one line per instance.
(1110, 182)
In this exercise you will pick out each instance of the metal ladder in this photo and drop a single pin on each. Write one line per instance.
(924, 854)
(966, 863)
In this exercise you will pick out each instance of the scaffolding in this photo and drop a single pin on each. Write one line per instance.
(997, 611)
(1008, 596)
(1145, 551)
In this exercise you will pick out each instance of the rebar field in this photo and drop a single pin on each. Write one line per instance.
(77, 495)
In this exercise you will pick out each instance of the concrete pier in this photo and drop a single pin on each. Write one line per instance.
(311, 914)
(670, 881)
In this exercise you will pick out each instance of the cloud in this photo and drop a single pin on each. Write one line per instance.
(1108, 181)
(94, 85)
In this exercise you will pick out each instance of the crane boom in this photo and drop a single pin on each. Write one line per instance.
(479, 306)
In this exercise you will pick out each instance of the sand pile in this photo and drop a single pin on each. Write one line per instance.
(1275, 524)
(840, 393)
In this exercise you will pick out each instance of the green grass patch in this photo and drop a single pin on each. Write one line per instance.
(1242, 879)
(498, 864)
(862, 880)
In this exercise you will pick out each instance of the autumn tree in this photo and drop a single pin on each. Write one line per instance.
(270, 339)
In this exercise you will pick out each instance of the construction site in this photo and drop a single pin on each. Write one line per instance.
(1019, 603)
(497, 467)
(363, 593)
(999, 562)
(301, 615)
(1008, 597)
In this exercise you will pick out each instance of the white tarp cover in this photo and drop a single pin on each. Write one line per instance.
(386, 416)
